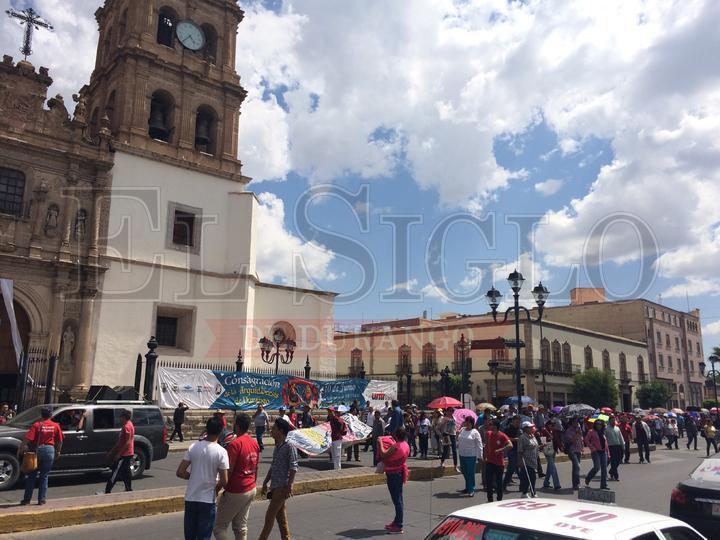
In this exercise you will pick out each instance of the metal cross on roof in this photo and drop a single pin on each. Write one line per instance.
(32, 21)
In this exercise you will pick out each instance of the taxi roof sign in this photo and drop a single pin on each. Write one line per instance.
(575, 519)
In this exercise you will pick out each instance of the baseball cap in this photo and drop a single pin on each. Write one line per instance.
(527, 424)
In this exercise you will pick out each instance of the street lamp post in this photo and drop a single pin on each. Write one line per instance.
(428, 369)
(239, 361)
(493, 365)
(278, 340)
(540, 292)
(712, 374)
(445, 380)
(463, 347)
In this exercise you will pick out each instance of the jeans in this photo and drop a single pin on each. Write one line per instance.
(709, 442)
(467, 466)
(672, 439)
(233, 508)
(494, 481)
(575, 459)
(627, 451)
(45, 459)
(121, 471)
(259, 430)
(395, 487)
(178, 430)
(511, 468)
(692, 440)
(551, 472)
(277, 511)
(599, 460)
(423, 444)
(355, 448)
(527, 479)
(199, 520)
(644, 451)
(616, 455)
(413, 445)
(447, 448)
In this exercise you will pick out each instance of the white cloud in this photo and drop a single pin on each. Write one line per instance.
(282, 256)
(712, 328)
(569, 146)
(693, 287)
(549, 187)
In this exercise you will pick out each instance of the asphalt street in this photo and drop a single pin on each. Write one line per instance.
(361, 513)
(161, 474)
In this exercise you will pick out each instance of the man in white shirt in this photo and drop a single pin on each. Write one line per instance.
(281, 414)
(208, 466)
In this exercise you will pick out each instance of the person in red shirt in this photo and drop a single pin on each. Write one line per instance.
(234, 504)
(338, 429)
(497, 443)
(122, 453)
(626, 430)
(45, 438)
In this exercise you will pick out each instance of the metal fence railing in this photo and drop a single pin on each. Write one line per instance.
(37, 379)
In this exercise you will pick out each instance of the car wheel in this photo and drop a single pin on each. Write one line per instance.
(9, 471)
(138, 464)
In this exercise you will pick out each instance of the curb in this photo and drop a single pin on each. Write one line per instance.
(173, 500)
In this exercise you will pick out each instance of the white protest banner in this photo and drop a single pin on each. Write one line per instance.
(316, 440)
(197, 388)
(6, 286)
(378, 392)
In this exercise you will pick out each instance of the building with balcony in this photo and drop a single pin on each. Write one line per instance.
(673, 337)
(415, 351)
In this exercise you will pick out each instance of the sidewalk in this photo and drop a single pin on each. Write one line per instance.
(177, 446)
(122, 505)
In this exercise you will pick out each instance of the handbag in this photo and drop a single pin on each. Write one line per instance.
(29, 462)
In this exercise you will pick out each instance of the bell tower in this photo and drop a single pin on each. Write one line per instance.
(165, 79)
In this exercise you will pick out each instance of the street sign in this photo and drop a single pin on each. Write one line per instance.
(496, 343)
(512, 344)
(602, 496)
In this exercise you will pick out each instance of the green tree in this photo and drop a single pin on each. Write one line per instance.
(596, 388)
(654, 394)
(709, 403)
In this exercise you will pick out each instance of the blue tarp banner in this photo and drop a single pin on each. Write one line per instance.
(202, 389)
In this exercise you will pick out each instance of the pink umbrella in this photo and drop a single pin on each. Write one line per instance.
(443, 403)
(461, 414)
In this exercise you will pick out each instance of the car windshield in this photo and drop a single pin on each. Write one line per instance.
(27, 418)
(457, 528)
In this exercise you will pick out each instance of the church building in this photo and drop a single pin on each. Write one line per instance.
(132, 219)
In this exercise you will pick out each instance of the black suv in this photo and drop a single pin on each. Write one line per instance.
(89, 430)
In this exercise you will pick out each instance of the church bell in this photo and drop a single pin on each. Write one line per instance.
(158, 129)
(202, 132)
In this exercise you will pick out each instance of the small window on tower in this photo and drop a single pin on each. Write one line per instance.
(210, 49)
(166, 331)
(205, 130)
(183, 228)
(166, 27)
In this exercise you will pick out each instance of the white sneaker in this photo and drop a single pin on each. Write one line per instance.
(457, 468)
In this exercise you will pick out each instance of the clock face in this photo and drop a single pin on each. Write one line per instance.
(190, 35)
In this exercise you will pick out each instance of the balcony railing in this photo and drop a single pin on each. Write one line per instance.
(553, 368)
(625, 375)
(643, 378)
(403, 368)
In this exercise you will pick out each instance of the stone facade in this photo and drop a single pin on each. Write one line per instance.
(548, 373)
(673, 338)
(55, 178)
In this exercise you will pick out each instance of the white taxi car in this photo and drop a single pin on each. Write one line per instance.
(558, 519)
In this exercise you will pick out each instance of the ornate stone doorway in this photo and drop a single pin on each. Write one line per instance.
(8, 362)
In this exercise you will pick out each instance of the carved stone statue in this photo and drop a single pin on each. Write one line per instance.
(68, 346)
(80, 225)
(51, 220)
(80, 113)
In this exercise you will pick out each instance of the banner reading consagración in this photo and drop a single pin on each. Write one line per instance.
(209, 389)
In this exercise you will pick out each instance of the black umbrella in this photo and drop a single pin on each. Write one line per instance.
(577, 410)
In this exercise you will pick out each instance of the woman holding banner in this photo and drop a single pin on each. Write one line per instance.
(394, 452)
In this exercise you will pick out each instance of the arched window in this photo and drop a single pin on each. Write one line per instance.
(355, 361)
(641, 368)
(166, 27)
(12, 190)
(545, 354)
(110, 111)
(606, 360)
(556, 358)
(93, 125)
(588, 358)
(206, 130)
(623, 366)
(161, 116)
(404, 359)
(567, 357)
(428, 353)
(211, 41)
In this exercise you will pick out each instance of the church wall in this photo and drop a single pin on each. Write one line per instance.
(143, 191)
(310, 315)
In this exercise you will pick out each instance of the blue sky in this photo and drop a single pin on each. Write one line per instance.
(598, 113)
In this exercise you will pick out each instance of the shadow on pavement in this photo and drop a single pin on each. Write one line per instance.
(361, 533)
